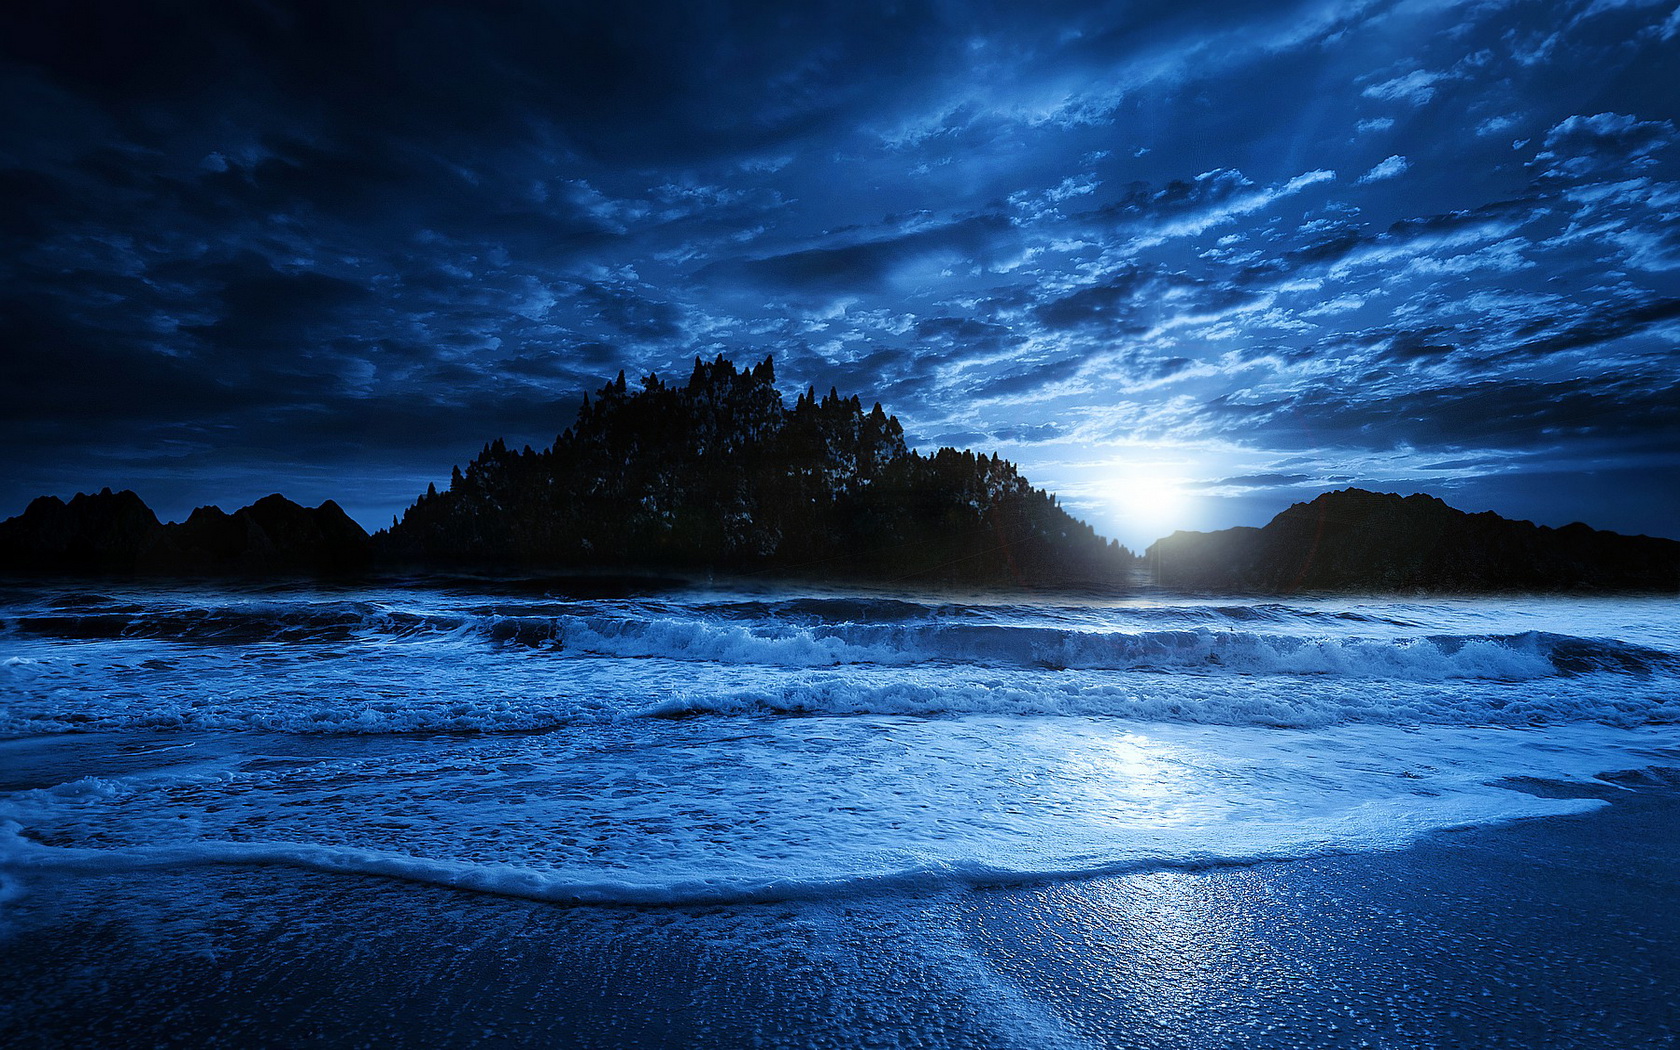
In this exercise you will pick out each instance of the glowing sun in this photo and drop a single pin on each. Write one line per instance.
(1151, 503)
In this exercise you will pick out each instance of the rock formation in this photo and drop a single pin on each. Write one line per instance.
(1359, 541)
(115, 532)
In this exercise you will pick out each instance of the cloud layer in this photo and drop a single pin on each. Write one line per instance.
(332, 248)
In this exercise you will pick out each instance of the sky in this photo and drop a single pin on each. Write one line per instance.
(1185, 263)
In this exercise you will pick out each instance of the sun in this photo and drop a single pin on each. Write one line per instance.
(1150, 503)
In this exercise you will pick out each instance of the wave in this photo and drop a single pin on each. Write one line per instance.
(1513, 657)
(830, 610)
(815, 633)
(227, 625)
(95, 617)
(1208, 702)
(18, 852)
(1307, 703)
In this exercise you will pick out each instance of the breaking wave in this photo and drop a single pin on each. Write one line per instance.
(656, 888)
(385, 662)
(812, 634)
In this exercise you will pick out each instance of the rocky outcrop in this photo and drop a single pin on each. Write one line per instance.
(718, 473)
(103, 532)
(1360, 541)
(117, 533)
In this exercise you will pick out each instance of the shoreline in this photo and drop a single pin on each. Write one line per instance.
(1545, 932)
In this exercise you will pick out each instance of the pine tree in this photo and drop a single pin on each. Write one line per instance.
(719, 474)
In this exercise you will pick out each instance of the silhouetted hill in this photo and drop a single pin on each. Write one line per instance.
(1359, 541)
(718, 473)
(115, 532)
(106, 531)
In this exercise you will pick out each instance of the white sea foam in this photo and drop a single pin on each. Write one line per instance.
(712, 747)
(511, 880)
(476, 698)
(395, 662)
(688, 814)
(1131, 642)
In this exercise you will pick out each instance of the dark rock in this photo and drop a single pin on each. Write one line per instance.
(103, 532)
(118, 533)
(292, 535)
(1359, 541)
(211, 540)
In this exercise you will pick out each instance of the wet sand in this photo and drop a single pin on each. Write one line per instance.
(1559, 932)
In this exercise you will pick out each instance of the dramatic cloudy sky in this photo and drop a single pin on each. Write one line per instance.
(1184, 262)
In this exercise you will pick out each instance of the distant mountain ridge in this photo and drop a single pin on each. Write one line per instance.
(116, 532)
(717, 473)
(1355, 540)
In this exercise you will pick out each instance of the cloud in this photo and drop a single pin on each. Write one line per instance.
(1386, 169)
(1422, 245)
(631, 311)
(265, 310)
(1214, 198)
(1415, 88)
(1133, 301)
(973, 335)
(1033, 434)
(1027, 377)
(1144, 201)
(66, 370)
(1596, 326)
(1248, 482)
(871, 264)
(1075, 66)
(1605, 143)
(1044, 204)
(1496, 125)
(1507, 414)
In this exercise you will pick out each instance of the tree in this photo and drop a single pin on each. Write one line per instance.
(719, 474)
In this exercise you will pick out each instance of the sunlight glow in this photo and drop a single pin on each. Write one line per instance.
(1151, 500)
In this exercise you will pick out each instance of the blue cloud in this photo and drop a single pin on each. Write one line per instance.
(362, 238)
(1385, 169)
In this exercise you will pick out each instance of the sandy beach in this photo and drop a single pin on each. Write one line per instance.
(1553, 932)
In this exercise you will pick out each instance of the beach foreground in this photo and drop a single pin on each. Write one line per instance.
(499, 813)
(1548, 932)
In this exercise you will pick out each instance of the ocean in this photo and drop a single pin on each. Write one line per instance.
(707, 754)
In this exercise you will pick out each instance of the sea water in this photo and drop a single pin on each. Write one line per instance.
(705, 744)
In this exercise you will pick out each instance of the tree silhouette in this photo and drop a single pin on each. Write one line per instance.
(719, 474)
